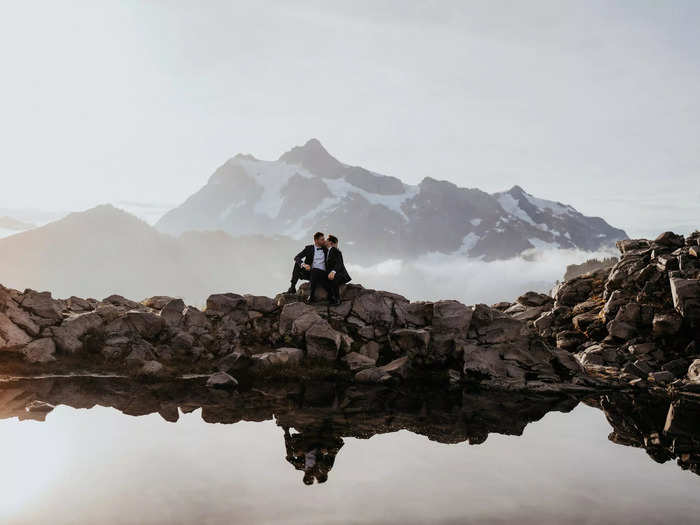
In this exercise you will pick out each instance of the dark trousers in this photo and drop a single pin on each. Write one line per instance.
(334, 289)
(318, 277)
(299, 273)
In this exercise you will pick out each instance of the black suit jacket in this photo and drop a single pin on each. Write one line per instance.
(335, 263)
(307, 255)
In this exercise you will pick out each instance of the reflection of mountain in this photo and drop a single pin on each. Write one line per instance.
(307, 190)
(8, 223)
(105, 250)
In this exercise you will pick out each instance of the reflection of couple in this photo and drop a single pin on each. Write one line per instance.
(312, 452)
(321, 263)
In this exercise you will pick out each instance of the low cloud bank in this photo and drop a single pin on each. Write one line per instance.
(435, 276)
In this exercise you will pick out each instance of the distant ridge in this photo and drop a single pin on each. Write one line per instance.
(308, 189)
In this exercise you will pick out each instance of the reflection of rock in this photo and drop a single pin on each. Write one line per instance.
(665, 429)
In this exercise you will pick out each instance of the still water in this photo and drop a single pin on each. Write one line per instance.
(100, 465)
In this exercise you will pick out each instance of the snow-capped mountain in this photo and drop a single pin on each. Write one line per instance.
(307, 189)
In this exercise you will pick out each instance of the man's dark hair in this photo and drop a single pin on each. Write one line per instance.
(333, 239)
(318, 235)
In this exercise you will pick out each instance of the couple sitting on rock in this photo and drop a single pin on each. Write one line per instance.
(321, 263)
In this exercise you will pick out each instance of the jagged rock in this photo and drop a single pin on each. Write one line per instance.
(396, 369)
(182, 340)
(418, 314)
(569, 339)
(291, 312)
(668, 324)
(140, 353)
(11, 335)
(279, 357)
(598, 355)
(482, 361)
(230, 305)
(302, 323)
(195, 321)
(535, 299)
(172, 311)
(575, 291)
(451, 317)
(502, 330)
(621, 330)
(69, 334)
(628, 245)
(40, 351)
(260, 303)
(20, 317)
(686, 297)
(322, 341)
(670, 239)
(146, 324)
(41, 304)
(118, 300)
(157, 302)
(77, 304)
(373, 308)
(409, 340)
(222, 381)
(357, 361)
(371, 350)
(108, 312)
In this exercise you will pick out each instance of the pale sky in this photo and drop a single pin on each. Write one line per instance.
(591, 103)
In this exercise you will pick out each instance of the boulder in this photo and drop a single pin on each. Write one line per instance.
(221, 380)
(302, 323)
(396, 369)
(373, 308)
(146, 324)
(322, 341)
(409, 340)
(157, 302)
(535, 299)
(480, 361)
(69, 334)
(279, 357)
(686, 297)
(661, 378)
(11, 336)
(417, 314)
(172, 312)
(574, 291)
(357, 361)
(40, 351)
(260, 303)
(228, 304)
(666, 324)
(77, 304)
(670, 239)
(195, 321)
(46, 310)
(118, 300)
(371, 350)
(451, 317)
(291, 312)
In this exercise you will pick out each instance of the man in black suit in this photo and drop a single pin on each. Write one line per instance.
(310, 263)
(337, 274)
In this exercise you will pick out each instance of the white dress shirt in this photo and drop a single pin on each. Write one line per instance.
(319, 259)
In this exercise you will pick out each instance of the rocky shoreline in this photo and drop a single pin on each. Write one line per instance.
(635, 325)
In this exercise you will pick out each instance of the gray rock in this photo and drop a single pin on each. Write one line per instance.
(279, 357)
(322, 341)
(222, 380)
(118, 300)
(157, 302)
(451, 317)
(371, 350)
(43, 306)
(260, 303)
(146, 324)
(172, 312)
(405, 340)
(373, 308)
(290, 313)
(305, 321)
(357, 361)
(11, 336)
(666, 324)
(40, 351)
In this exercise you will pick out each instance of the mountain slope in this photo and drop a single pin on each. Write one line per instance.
(106, 250)
(307, 189)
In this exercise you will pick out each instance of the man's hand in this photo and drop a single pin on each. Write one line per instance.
(331, 275)
(306, 266)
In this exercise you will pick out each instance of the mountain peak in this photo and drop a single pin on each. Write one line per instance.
(315, 158)
(516, 190)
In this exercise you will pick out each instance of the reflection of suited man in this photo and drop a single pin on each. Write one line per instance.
(337, 274)
(312, 452)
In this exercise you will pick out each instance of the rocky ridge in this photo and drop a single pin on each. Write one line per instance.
(634, 325)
